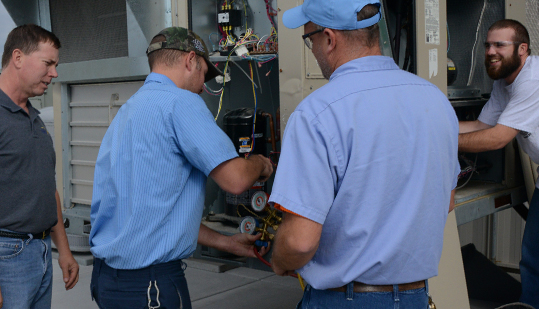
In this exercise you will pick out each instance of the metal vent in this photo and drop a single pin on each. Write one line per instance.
(90, 30)
(532, 16)
(468, 23)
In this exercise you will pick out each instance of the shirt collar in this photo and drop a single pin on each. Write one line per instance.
(365, 64)
(7, 103)
(159, 78)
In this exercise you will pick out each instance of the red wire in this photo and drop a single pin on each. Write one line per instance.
(266, 262)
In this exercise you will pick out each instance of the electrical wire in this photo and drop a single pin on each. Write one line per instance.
(254, 117)
(269, 157)
(211, 91)
(228, 59)
(245, 10)
(244, 72)
(261, 258)
(269, 265)
(472, 67)
(471, 171)
(270, 11)
(448, 37)
(247, 208)
(301, 283)
(213, 41)
(222, 92)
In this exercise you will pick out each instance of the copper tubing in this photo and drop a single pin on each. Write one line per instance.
(272, 129)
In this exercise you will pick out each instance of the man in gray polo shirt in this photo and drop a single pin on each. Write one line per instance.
(29, 203)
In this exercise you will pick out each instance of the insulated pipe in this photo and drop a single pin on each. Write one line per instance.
(398, 32)
(272, 129)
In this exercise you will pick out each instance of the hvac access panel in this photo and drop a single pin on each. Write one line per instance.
(242, 37)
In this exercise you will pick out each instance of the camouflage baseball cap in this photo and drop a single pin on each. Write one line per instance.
(185, 40)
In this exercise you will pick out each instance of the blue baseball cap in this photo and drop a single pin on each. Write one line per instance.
(333, 14)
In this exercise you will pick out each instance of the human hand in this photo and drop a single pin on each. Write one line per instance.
(1, 299)
(268, 168)
(70, 270)
(243, 245)
(280, 271)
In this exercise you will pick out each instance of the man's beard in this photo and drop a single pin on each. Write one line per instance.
(507, 67)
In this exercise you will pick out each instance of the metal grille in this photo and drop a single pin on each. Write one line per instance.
(92, 108)
(468, 22)
(90, 30)
(532, 16)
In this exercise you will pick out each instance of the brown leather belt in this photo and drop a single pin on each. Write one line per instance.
(367, 288)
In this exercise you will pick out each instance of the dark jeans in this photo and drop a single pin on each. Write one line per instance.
(529, 264)
(158, 286)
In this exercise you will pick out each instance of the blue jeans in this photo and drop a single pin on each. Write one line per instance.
(26, 273)
(157, 286)
(529, 264)
(318, 299)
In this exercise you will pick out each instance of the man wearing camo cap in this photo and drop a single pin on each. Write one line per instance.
(150, 177)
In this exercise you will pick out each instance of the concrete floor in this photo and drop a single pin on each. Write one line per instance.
(236, 288)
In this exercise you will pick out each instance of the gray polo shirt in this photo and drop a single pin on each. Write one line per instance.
(27, 175)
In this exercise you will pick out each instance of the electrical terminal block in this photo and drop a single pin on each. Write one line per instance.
(270, 48)
(241, 50)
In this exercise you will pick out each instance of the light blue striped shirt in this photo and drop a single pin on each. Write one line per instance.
(150, 176)
(371, 155)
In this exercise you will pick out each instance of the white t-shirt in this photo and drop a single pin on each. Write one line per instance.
(517, 106)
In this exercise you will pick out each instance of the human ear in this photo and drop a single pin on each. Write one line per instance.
(16, 57)
(522, 48)
(330, 39)
(190, 61)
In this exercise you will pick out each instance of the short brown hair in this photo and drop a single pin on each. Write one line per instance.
(370, 36)
(163, 56)
(27, 38)
(521, 34)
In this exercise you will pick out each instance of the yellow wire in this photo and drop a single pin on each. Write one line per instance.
(224, 82)
(245, 9)
(301, 283)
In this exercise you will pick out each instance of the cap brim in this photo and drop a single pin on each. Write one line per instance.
(213, 71)
(295, 18)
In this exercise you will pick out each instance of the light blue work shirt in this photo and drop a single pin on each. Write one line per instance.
(150, 176)
(372, 156)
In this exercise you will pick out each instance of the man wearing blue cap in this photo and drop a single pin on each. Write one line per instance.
(367, 170)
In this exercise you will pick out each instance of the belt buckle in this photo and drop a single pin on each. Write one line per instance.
(43, 236)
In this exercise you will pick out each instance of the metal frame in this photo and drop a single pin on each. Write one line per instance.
(484, 199)
(44, 14)
(66, 150)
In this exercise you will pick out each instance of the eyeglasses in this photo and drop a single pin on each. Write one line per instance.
(306, 38)
(499, 44)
